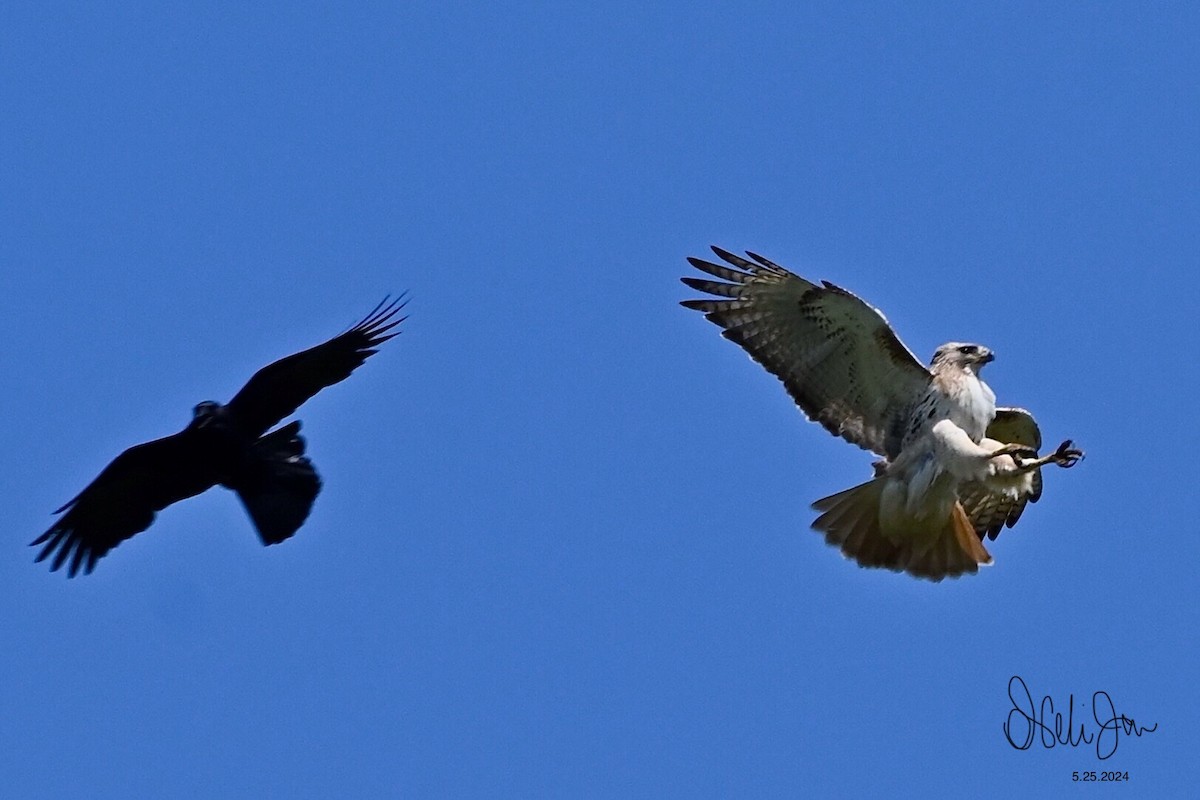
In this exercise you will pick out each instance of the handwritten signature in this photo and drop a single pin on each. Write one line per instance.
(1025, 722)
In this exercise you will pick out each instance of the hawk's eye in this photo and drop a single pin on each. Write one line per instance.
(967, 349)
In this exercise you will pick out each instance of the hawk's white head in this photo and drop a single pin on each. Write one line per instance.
(963, 355)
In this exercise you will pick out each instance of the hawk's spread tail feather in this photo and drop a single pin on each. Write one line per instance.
(850, 522)
(277, 485)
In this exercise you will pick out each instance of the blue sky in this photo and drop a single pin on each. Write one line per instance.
(562, 548)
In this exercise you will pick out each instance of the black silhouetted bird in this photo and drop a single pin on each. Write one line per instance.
(227, 445)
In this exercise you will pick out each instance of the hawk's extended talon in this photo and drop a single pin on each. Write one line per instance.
(1017, 451)
(1066, 455)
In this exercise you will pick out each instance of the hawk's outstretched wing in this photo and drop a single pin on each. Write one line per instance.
(280, 388)
(123, 499)
(990, 511)
(837, 356)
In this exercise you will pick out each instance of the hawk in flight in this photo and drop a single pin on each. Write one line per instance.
(955, 468)
(227, 445)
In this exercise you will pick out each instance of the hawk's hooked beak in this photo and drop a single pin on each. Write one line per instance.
(987, 357)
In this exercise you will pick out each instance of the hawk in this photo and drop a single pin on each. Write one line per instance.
(955, 469)
(227, 445)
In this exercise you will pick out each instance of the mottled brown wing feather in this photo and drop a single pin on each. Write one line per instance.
(280, 388)
(990, 511)
(837, 356)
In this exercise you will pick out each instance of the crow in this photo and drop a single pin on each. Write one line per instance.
(227, 445)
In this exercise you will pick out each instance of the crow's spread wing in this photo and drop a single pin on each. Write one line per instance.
(123, 499)
(837, 356)
(278, 389)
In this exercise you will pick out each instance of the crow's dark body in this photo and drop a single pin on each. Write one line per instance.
(223, 445)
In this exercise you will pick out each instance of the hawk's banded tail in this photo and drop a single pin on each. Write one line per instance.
(851, 523)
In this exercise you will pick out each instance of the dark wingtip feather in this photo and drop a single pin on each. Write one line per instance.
(61, 556)
(67, 504)
(376, 310)
(378, 334)
(381, 313)
(768, 264)
(68, 550)
(736, 260)
(703, 266)
(51, 538)
(76, 560)
(695, 283)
